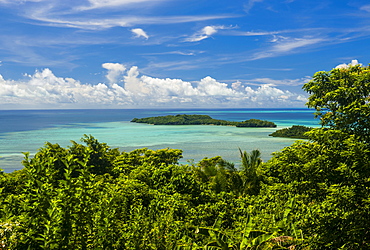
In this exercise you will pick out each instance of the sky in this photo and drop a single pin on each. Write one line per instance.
(173, 53)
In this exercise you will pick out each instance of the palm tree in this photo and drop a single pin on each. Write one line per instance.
(218, 173)
(250, 171)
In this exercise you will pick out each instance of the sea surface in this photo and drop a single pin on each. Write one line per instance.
(28, 130)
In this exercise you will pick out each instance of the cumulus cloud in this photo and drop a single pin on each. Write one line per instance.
(346, 66)
(44, 89)
(114, 71)
(128, 88)
(140, 33)
(210, 87)
(237, 85)
(205, 33)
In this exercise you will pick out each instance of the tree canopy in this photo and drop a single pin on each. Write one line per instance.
(341, 98)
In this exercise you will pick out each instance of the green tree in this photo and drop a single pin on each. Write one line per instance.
(330, 181)
(93, 197)
(250, 171)
(328, 177)
(341, 98)
(219, 174)
(101, 156)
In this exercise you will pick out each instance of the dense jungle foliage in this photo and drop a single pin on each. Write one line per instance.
(295, 131)
(313, 194)
(200, 120)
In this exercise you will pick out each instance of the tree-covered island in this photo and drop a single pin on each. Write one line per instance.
(201, 120)
(295, 131)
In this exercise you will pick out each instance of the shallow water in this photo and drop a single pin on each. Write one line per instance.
(27, 131)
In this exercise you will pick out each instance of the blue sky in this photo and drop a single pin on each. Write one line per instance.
(173, 53)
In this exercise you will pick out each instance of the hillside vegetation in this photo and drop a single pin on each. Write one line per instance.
(200, 120)
(313, 194)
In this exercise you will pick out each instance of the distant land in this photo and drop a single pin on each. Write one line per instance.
(296, 131)
(201, 120)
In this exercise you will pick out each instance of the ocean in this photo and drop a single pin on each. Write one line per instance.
(28, 130)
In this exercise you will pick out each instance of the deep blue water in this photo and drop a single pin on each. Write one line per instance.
(28, 130)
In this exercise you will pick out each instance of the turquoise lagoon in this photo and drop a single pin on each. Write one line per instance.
(28, 130)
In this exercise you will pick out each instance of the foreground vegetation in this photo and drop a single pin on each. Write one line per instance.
(312, 195)
(295, 131)
(201, 120)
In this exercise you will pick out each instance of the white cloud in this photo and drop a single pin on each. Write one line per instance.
(134, 85)
(140, 33)
(274, 96)
(125, 21)
(130, 89)
(94, 4)
(276, 32)
(286, 82)
(302, 98)
(346, 66)
(210, 30)
(209, 86)
(291, 44)
(283, 45)
(44, 89)
(237, 86)
(366, 8)
(176, 52)
(20, 1)
(260, 33)
(114, 71)
(78, 16)
(205, 33)
(248, 6)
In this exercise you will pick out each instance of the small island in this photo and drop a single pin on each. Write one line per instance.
(201, 120)
(296, 131)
